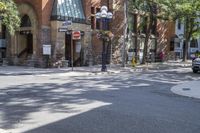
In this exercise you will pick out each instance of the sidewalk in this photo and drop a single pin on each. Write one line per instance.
(23, 70)
(190, 89)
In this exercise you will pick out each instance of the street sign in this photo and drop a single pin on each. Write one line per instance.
(46, 49)
(62, 29)
(66, 24)
(76, 35)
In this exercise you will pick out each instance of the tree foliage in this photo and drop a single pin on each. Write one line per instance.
(188, 11)
(9, 15)
(148, 11)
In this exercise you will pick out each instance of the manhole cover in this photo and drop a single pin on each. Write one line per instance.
(186, 89)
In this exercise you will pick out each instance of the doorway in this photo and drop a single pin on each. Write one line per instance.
(29, 44)
(25, 44)
(68, 51)
(68, 47)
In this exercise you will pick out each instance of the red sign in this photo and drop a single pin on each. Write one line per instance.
(76, 35)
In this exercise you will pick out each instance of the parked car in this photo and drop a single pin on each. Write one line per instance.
(196, 65)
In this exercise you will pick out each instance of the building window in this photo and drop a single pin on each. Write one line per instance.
(93, 17)
(133, 22)
(98, 22)
(25, 21)
(178, 45)
(92, 22)
(172, 45)
(92, 10)
(179, 24)
(143, 25)
(194, 43)
(3, 32)
(154, 27)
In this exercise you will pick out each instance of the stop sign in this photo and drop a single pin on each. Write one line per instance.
(76, 35)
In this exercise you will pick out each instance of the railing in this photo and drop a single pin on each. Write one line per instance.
(22, 52)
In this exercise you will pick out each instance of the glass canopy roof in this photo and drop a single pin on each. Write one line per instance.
(68, 10)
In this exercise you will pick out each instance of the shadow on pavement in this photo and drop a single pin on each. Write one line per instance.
(131, 105)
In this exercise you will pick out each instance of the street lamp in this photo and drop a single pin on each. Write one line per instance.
(104, 16)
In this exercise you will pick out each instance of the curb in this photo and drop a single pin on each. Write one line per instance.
(188, 89)
(3, 131)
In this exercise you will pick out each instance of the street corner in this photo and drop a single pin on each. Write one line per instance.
(189, 89)
(3, 131)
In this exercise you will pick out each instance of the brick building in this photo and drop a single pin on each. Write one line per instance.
(160, 38)
(42, 23)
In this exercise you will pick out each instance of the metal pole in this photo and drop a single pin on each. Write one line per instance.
(72, 53)
(125, 32)
(103, 69)
(110, 54)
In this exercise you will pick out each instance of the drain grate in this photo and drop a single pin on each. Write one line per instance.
(186, 89)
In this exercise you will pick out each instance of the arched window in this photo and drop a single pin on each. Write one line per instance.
(25, 21)
(174, 42)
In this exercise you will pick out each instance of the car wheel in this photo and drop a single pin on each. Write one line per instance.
(195, 71)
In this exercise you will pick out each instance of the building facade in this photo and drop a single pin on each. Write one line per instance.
(194, 44)
(159, 42)
(39, 39)
(45, 36)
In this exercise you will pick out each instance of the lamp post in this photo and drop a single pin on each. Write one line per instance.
(104, 16)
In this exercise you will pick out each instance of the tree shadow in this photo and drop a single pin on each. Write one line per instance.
(125, 102)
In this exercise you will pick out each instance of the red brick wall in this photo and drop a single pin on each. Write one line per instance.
(42, 9)
(165, 31)
(46, 11)
(36, 4)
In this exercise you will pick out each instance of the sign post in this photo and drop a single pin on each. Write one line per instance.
(65, 28)
(72, 54)
(76, 35)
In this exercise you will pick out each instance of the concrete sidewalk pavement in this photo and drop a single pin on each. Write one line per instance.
(21, 70)
(190, 89)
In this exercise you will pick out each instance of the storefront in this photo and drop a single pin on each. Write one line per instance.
(68, 17)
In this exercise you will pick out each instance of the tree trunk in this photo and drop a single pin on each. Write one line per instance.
(146, 43)
(125, 32)
(185, 50)
(187, 34)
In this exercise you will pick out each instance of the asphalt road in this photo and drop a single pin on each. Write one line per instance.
(127, 102)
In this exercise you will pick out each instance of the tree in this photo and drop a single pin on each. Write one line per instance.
(188, 11)
(170, 10)
(148, 11)
(9, 15)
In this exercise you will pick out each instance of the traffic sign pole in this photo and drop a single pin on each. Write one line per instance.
(72, 54)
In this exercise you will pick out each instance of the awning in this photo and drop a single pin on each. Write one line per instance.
(68, 10)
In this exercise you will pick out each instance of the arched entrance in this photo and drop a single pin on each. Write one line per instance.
(25, 38)
(25, 48)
